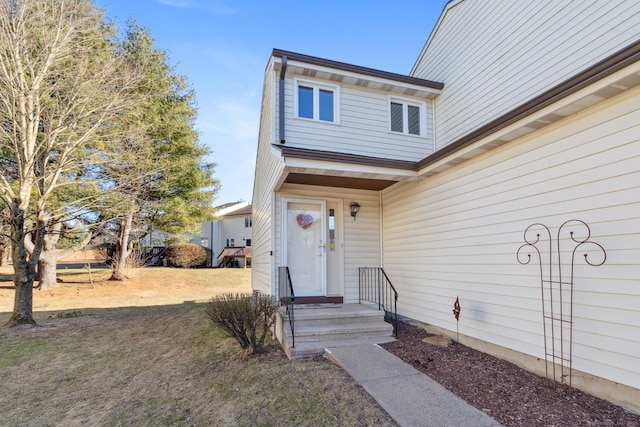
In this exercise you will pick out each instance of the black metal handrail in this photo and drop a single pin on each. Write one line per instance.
(375, 287)
(287, 298)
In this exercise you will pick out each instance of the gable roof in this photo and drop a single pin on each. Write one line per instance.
(226, 205)
(244, 210)
(227, 208)
(450, 4)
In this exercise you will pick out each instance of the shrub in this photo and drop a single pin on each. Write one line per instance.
(246, 318)
(186, 254)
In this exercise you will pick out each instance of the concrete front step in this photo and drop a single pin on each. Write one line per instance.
(342, 331)
(320, 312)
(320, 327)
(311, 349)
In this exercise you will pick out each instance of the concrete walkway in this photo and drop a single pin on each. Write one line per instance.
(409, 396)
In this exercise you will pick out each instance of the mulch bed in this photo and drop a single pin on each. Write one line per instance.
(506, 392)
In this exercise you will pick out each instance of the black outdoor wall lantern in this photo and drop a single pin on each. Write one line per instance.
(355, 207)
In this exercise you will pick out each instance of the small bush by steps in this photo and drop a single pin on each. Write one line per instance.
(246, 318)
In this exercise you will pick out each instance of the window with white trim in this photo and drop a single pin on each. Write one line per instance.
(316, 101)
(407, 116)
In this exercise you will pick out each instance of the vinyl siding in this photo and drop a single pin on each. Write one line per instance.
(361, 237)
(217, 232)
(462, 229)
(494, 56)
(268, 169)
(363, 128)
(234, 228)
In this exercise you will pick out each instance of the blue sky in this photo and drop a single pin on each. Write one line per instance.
(222, 47)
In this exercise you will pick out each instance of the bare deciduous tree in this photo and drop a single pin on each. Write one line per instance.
(49, 256)
(5, 232)
(61, 82)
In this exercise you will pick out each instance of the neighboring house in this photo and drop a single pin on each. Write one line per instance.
(515, 113)
(232, 228)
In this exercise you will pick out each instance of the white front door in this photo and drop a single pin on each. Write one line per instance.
(304, 229)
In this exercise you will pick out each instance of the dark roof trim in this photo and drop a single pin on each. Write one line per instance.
(313, 60)
(329, 156)
(338, 181)
(600, 70)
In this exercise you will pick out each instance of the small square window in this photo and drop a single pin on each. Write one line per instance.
(406, 116)
(316, 101)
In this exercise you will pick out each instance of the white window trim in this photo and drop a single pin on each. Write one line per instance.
(316, 100)
(405, 117)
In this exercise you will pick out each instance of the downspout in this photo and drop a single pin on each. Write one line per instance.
(283, 72)
(381, 229)
(275, 262)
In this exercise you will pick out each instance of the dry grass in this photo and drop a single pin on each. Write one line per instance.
(143, 353)
(82, 288)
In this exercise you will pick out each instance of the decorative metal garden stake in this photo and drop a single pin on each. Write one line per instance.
(556, 271)
(456, 313)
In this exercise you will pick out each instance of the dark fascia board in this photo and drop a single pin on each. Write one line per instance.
(338, 181)
(342, 66)
(330, 156)
(600, 70)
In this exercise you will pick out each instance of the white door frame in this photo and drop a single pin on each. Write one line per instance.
(337, 287)
(322, 247)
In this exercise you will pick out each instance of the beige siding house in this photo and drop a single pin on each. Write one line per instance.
(232, 228)
(515, 114)
(323, 164)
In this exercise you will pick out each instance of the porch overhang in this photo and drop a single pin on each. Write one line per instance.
(330, 169)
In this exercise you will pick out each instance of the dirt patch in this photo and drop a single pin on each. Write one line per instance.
(511, 395)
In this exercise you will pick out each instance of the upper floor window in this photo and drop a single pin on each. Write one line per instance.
(316, 101)
(406, 116)
(247, 222)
